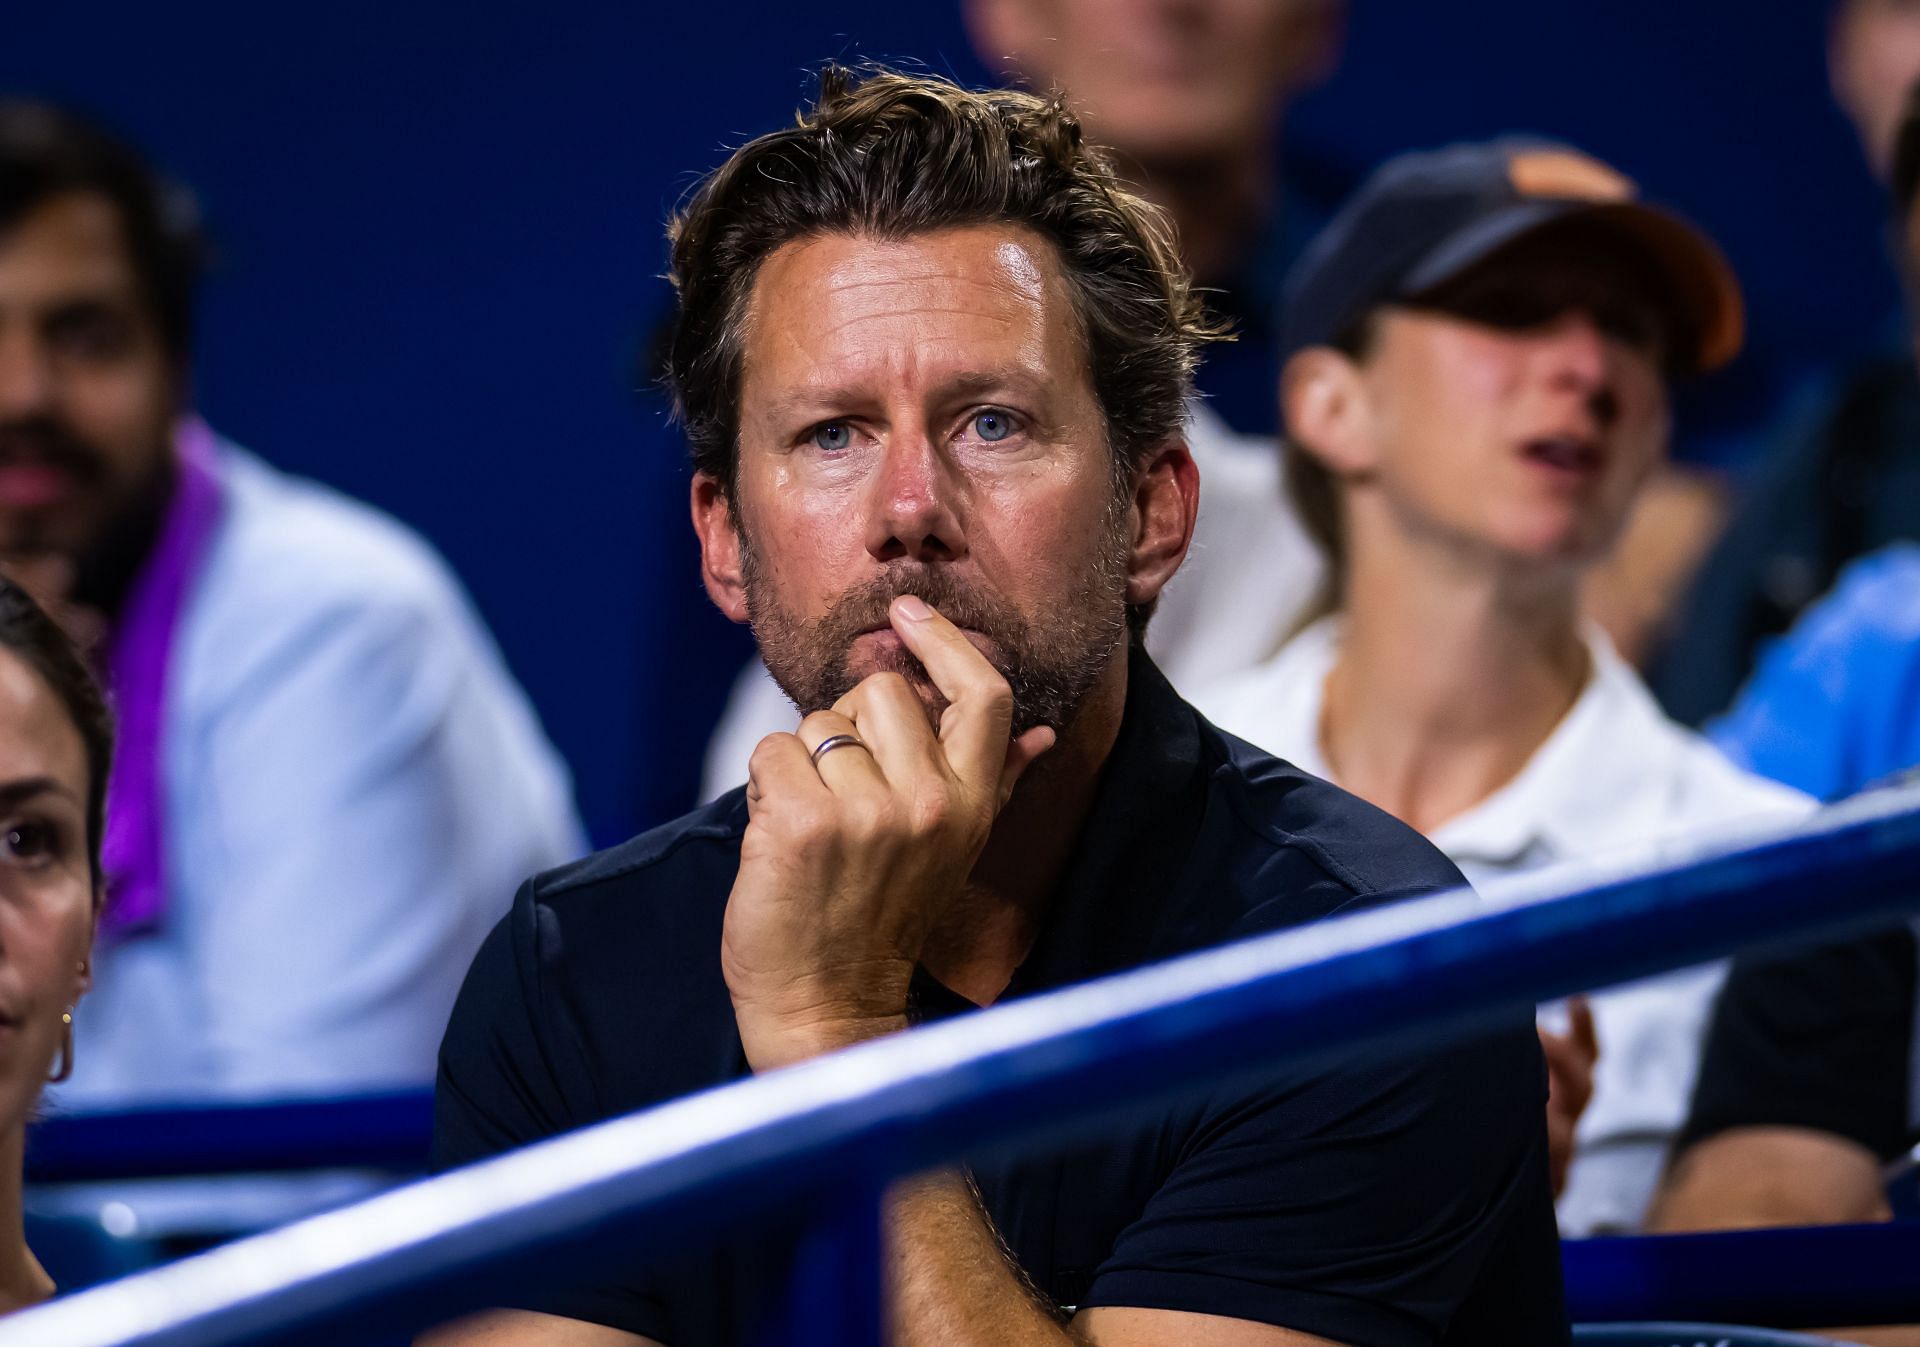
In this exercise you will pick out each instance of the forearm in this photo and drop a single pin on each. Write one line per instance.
(1875, 1337)
(952, 1282)
(1770, 1176)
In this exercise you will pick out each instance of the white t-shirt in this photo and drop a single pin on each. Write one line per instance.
(1249, 575)
(1615, 781)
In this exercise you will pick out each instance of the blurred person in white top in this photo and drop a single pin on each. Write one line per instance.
(1480, 347)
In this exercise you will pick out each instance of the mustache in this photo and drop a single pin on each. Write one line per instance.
(865, 608)
(44, 440)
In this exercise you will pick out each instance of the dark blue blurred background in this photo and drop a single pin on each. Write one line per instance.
(440, 238)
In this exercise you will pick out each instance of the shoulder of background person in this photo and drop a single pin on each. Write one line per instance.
(1275, 704)
(1877, 599)
(286, 533)
(294, 564)
(1865, 631)
(1703, 788)
(1804, 506)
(1835, 703)
(756, 707)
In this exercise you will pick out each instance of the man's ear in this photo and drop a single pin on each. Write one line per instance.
(720, 545)
(1324, 408)
(1166, 501)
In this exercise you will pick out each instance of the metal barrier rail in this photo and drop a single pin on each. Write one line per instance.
(1815, 1278)
(820, 1140)
(376, 1131)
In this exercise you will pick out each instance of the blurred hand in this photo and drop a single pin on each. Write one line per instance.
(849, 860)
(1570, 1059)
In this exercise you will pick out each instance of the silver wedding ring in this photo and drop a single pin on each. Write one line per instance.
(833, 741)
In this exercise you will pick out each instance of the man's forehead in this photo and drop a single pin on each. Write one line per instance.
(996, 292)
(70, 241)
(857, 269)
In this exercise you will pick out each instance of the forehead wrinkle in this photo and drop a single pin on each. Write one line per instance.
(942, 366)
(853, 320)
(1021, 379)
(1018, 296)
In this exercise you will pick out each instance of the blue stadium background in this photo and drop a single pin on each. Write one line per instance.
(440, 243)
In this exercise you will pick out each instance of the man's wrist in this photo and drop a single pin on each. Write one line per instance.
(772, 1041)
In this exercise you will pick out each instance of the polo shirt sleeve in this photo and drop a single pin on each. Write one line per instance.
(1358, 1203)
(1820, 1038)
(511, 1075)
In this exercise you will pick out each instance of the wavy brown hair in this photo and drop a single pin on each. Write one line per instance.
(890, 156)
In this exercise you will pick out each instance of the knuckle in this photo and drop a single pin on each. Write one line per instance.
(931, 811)
(890, 684)
(992, 692)
(767, 750)
(823, 723)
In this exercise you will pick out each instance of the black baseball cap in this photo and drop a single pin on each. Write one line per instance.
(1426, 217)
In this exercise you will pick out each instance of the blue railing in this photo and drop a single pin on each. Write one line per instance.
(822, 1139)
(379, 1131)
(1849, 1274)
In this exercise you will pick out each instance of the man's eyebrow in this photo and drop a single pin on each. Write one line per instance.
(14, 793)
(971, 383)
(67, 306)
(978, 383)
(812, 401)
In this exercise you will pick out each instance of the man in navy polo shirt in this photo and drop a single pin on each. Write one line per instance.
(932, 357)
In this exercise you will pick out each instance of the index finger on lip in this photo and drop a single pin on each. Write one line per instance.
(979, 719)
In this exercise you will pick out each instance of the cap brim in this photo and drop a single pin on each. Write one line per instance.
(1703, 281)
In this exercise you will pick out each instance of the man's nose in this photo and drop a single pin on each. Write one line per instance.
(915, 511)
(1580, 360)
(26, 375)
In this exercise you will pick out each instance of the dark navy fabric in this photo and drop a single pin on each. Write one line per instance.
(1842, 483)
(1402, 1199)
(1819, 1037)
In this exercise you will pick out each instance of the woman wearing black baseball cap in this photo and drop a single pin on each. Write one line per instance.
(1480, 346)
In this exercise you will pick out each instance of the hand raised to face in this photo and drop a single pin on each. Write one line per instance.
(851, 857)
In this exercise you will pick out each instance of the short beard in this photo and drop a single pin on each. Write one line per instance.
(1050, 668)
(110, 528)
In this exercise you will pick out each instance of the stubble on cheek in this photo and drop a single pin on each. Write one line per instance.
(1050, 664)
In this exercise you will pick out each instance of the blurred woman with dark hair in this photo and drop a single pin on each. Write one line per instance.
(56, 744)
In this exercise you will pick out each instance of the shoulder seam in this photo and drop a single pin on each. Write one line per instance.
(583, 876)
(1310, 848)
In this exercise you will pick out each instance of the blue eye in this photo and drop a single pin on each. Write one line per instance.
(833, 436)
(991, 426)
